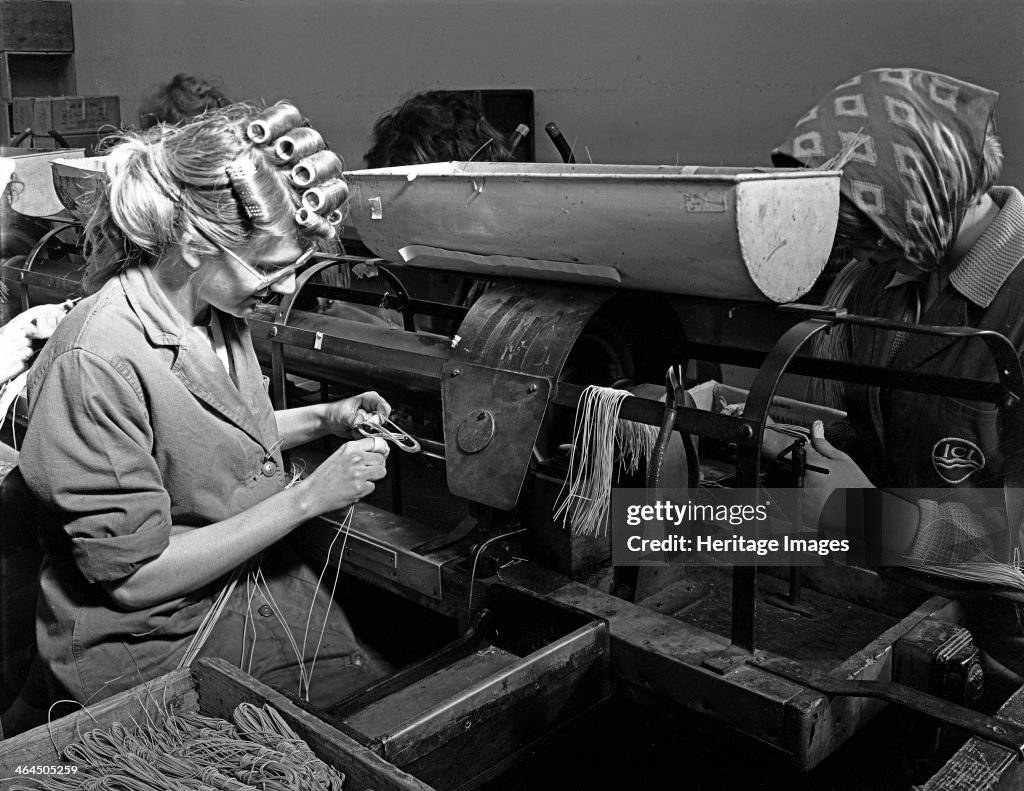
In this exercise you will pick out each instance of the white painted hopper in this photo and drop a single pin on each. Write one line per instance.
(731, 233)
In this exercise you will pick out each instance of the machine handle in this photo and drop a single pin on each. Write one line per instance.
(563, 147)
(517, 136)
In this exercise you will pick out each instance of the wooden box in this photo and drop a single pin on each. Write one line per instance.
(36, 74)
(68, 115)
(710, 395)
(531, 667)
(36, 26)
(751, 234)
(21, 113)
(42, 117)
(214, 688)
(83, 114)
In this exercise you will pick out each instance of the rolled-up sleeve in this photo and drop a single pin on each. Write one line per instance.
(88, 456)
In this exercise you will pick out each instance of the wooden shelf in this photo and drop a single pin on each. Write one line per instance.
(36, 74)
(36, 26)
(37, 43)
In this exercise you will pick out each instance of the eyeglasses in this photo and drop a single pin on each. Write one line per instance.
(269, 278)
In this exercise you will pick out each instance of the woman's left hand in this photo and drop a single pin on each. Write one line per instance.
(342, 417)
(844, 473)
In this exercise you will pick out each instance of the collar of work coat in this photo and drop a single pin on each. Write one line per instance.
(195, 363)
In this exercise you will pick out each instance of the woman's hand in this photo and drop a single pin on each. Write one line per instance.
(843, 474)
(39, 322)
(342, 417)
(16, 336)
(347, 475)
(15, 352)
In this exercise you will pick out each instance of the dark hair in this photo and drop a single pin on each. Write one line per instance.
(435, 126)
(184, 97)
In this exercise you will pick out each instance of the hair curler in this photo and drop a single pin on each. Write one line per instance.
(298, 144)
(273, 122)
(321, 166)
(326, 197)
(311, 222)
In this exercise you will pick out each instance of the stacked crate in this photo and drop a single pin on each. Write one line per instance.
(66, 121)
(37, 45)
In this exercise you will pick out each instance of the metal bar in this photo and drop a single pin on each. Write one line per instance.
(420, 307)
(27, 279)
(689, 420)
(913, 381)
(1001, 731)
(423, 360)
(34, 254)
(395, 476)
(748, 452)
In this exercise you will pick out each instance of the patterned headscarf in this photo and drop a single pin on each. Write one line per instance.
(914, 142)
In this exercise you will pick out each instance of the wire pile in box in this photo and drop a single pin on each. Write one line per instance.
(190, 752)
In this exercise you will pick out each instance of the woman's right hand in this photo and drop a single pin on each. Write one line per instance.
(348, 474)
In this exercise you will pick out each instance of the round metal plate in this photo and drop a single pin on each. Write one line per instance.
(476, 431)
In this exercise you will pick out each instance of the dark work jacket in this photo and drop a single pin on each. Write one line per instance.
(916, 440)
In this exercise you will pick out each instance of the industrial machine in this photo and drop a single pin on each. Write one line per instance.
(610, 276)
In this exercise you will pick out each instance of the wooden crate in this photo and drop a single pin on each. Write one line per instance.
(84, 114)
(21, 113)
(213, 688)
(710, 395)
(36, 74)
(36, 26)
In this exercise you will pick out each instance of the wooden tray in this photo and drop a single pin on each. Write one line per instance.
(214, 688)
(530, 668)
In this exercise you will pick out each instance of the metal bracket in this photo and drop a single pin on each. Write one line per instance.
(998, 730)
(36, 250)
(725, 662)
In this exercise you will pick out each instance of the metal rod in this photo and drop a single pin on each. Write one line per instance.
(1001, 731)
(913, 381)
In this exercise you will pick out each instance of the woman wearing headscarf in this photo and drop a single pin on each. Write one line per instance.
(935, 243)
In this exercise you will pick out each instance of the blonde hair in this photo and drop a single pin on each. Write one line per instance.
(203, 183)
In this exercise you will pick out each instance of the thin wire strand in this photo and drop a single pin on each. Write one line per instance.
(583, 501)
(388, 430)
(345, 528)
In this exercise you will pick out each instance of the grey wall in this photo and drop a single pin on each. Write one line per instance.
(630, 81)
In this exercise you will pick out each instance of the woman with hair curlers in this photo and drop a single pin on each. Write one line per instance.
(152, 441)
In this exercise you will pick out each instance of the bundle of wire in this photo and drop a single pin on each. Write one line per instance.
(583, 501)
(190, 752)
(997, 575)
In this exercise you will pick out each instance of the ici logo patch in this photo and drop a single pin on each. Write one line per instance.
(956, 459)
